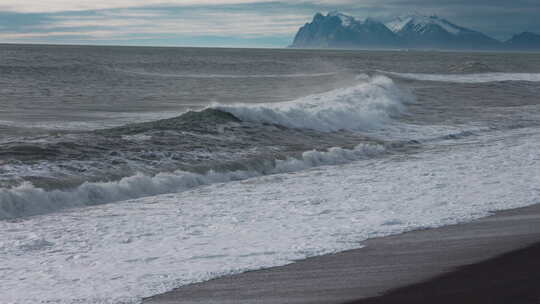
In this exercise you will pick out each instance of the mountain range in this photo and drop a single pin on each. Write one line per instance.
(337, 30)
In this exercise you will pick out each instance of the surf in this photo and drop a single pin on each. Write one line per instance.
(27, 200)
(365, 106)
(470, 78)
(368, 105)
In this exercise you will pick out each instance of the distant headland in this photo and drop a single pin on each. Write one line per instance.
(338, 30)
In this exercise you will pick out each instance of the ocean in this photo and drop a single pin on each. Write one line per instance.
(126, 172)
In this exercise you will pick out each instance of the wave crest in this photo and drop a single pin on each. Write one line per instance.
(365, 106)
(26, 199)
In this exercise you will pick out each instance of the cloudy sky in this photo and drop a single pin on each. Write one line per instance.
(251, 23)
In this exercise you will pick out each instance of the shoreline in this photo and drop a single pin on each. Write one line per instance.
(384, 266)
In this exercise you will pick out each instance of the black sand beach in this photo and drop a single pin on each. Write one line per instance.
(511, 278)
(501, 252)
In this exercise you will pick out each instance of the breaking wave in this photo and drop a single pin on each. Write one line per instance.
(26, 199)
(470, 78)
(365, 106)
(370, 104)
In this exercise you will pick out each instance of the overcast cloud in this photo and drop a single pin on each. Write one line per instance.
(256, 23)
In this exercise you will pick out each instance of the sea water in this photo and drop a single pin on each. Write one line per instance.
(126, 172)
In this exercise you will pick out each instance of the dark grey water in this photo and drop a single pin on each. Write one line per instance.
(56, 86)
(72, 116)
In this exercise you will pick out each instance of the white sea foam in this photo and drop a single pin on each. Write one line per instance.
(27, 200)
(470, 78)
(118, 253)
(365, 106)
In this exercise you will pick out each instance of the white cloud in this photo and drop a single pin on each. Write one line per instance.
(52, 6)
(21, 36)
(49, 6)
(118, 25)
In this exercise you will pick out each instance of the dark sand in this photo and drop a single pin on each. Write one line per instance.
(511, 278)
(393, 262)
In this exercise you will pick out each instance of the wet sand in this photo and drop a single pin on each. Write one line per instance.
(390, 263)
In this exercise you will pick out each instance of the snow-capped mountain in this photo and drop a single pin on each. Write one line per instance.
(346, 20)
(433, 31)
(337, 30)
(422, 24)
(524, 41)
